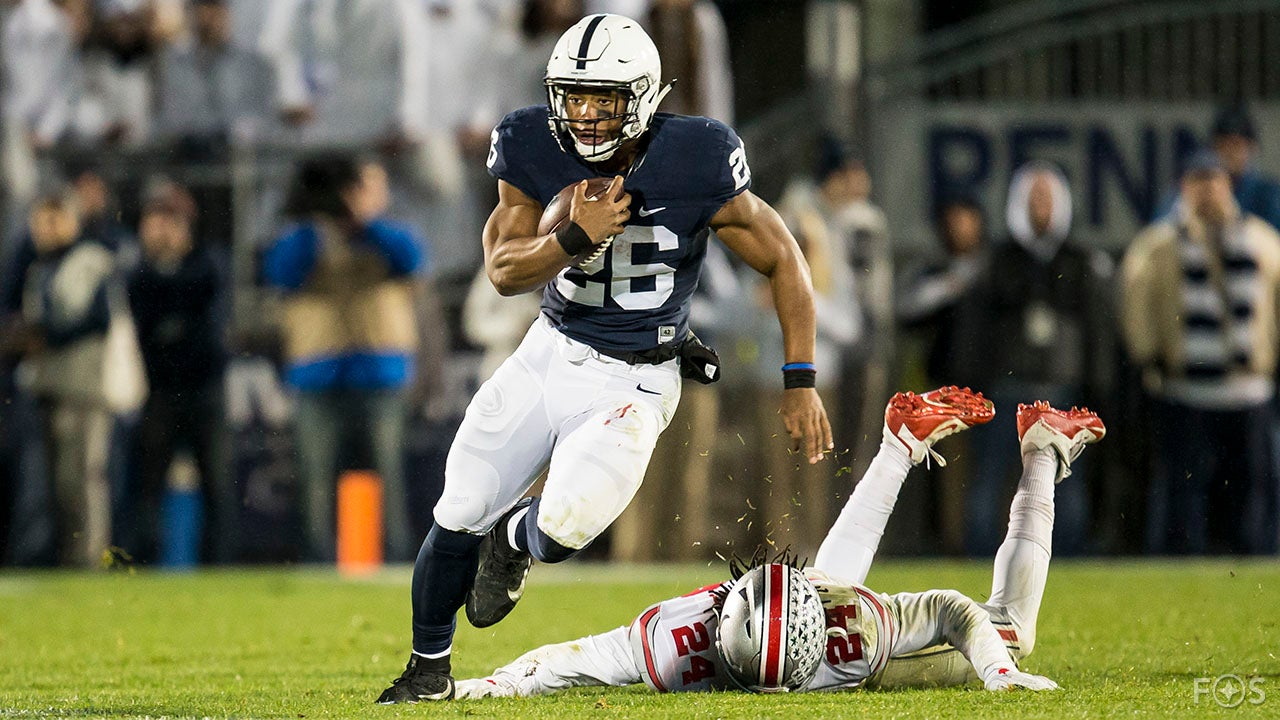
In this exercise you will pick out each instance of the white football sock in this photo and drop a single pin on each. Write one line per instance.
(513, 524)
(850, 546)
(1022, 562)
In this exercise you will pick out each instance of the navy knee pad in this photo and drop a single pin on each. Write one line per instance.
(451, 542)
(541, 546)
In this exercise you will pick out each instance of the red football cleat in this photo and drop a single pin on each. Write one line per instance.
(918, 421)
(1040, 426)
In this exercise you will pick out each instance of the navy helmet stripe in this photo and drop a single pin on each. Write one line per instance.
(586, 41)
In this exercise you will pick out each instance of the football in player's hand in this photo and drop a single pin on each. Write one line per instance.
(557, 212)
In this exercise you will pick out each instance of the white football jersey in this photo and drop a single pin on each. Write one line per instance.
(673, 642)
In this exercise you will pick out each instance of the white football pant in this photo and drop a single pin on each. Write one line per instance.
(594, 419)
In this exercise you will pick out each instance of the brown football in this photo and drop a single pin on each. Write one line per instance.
(558, 209)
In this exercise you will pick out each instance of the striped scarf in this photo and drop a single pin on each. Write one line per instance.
(1218, 303)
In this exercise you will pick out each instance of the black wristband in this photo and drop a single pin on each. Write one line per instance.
(799, 379)
(572, 238)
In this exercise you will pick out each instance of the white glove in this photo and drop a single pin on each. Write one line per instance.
(483, 688)
(1011, 679)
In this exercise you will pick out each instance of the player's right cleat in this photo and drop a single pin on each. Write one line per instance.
(1040, 426)
(423, 679)
(499, 582)
(916, 422)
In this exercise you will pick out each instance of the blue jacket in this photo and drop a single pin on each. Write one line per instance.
(349, 304)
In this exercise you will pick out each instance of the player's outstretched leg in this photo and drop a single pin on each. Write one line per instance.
(1050, 439)
(912, 424)
(1065, 432)
(499, 582)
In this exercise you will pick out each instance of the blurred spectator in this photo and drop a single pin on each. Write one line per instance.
(935, 296)
(694, 47)
(65, 306)
(350, 71)
(116, 101)
(447, 179)
(847, 240)
(99, 214)
(97, 220)
(40, 76)
(495, 323)
(1200, 317)
(213, 87)
(1049, 338)
(177, 292)
(350, 335)
(1235, 140)
(938, 309)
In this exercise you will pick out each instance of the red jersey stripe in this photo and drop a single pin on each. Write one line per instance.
(887, 631)
(646, 641)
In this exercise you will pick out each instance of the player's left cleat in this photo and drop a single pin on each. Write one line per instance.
(499, 582)
(423, 679)
(918, 421)
(1066, 432)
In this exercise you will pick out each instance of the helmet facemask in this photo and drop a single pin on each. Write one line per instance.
(631, 127)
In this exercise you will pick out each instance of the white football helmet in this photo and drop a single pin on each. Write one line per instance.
(772, 632)
(605, 52)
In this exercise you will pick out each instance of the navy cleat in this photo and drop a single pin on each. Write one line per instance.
(422, 679)
(500, 578)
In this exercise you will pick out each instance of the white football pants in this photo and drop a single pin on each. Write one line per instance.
(556, 401)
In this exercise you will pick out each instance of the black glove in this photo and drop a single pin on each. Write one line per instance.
(698, 362)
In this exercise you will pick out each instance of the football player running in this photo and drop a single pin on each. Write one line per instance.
(597, 377)
(776, 628)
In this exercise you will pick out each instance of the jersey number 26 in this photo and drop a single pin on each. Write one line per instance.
(624, 273)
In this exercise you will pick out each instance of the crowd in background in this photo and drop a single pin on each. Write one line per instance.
(130, 382)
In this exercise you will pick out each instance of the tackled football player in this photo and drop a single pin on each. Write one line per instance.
(776, 628)
(598, 375)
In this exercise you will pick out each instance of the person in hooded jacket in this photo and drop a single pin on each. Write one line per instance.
(1049, 333)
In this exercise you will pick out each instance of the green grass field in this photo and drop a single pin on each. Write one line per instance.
(1122, 638)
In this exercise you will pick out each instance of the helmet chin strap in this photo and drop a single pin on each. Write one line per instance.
(591, 154)
(661, 94)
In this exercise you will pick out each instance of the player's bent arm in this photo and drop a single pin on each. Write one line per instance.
(934, 617)
(592, 661)
(754, 232)
(516, 258)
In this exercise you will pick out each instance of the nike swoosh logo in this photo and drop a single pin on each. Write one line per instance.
(645, 212)
(647, 392)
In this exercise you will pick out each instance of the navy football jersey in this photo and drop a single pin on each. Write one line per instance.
(635, 296)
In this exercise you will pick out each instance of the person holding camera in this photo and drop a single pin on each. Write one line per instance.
(347, 274)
